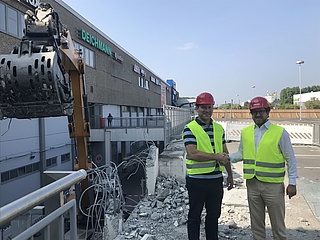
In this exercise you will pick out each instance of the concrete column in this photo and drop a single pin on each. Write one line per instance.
(107, 146)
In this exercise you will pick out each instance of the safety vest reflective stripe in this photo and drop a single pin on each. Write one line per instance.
(248, 161)
(202, 165)
(263, 174)
(271, 175)
(248, 171)
(266, 163)
(270, 165)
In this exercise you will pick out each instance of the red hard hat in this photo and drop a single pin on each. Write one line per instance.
(204, 98)
(259, 102)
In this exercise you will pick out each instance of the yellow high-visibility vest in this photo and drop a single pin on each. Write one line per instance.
(204, 145)
(266, 163)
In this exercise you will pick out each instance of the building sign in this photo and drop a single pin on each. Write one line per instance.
(95, 42)
(142, 72)
(154, 80)
(163, 94)
(31, 3)
(139, 70)
(136, 68)
(117, 57)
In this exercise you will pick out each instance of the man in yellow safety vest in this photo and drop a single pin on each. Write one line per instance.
(207, 154)
(265, 149)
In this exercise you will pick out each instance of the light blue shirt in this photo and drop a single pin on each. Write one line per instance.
(285, 147)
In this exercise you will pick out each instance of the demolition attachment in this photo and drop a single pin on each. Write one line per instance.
(32, 79)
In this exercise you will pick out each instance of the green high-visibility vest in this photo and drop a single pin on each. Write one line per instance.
(204, 145)
(266, 163)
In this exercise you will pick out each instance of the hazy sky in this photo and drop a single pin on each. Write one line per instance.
(221, 46)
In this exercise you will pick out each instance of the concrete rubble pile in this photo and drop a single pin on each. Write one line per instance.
(163, 216)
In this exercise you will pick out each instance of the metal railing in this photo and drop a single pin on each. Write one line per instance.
(128, 122)
(45, 223)
(173, 122)
(176, 119)
(22, 205)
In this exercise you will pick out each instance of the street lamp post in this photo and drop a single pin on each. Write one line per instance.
(300, 80)
(253, 87)
(231, 110)
(239, 100)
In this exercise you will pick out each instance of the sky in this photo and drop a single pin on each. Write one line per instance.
(234, 49)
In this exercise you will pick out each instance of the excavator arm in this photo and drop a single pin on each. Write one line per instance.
(44, 77)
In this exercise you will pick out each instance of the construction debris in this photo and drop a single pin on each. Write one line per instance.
(163, 216)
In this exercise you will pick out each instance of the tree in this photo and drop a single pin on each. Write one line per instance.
(228, 106)
(286, 94)
(246, 105)
(225, 106)
(314, 104)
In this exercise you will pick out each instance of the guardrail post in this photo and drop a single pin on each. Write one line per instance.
(316, 133)
(73, 223)
(47, 232)
(61, 227)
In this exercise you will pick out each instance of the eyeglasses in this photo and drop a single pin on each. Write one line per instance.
(206, 107)
(262, 111)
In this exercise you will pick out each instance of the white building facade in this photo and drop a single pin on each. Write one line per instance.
(311, 96)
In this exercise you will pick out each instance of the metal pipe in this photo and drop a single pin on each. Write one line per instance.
(73, 222)
(21, 205)
(300, 81)
(300, 86)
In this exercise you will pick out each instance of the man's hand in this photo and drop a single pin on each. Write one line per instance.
(291, 190)
(229, 182)
(223, 158)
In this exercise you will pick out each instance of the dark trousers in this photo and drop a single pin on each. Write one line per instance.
(208, 193)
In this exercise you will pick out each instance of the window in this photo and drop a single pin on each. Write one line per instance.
(36, 166)
(51, 162)
(65, 157)
(146, 84)
(92, 60)
(22, 25)
(13, 173)
(2, 17)
(19, 172)
(141, 80)
(29, 168)
(125, 109)
(87, 54)
(5, 176)
(11, 21)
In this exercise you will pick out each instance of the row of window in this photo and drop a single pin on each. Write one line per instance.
(11, 21)
(143, 83)
(31, 168)
(19, 172)
(87, 54)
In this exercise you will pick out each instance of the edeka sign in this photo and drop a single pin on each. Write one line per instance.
(95, 42)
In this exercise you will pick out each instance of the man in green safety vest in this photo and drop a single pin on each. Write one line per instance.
(207, 155)
(265, 149)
